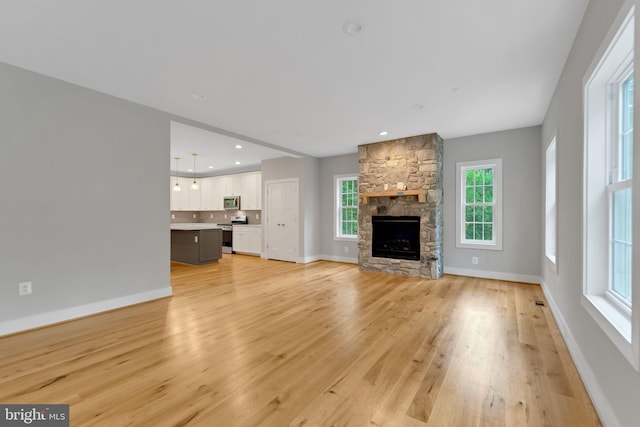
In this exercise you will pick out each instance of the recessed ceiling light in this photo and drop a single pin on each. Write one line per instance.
(417, 107)
(352, 28)
(238, 146)
(190, 170)
(198, 96)
(455, 89)
(237, 163)
(383, 133)
(210, 167)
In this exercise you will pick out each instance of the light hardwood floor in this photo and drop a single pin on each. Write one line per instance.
(255, 342)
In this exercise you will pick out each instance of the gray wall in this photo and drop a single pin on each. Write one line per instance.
(310, 196)
(330, 248)
(612, 382)
(74, 164)
(521, 169)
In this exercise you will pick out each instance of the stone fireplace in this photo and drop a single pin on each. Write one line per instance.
(386, 211)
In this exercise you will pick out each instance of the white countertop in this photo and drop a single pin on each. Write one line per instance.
(247, 225)
(195, 226)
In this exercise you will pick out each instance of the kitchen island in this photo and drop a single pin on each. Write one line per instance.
(196, 243)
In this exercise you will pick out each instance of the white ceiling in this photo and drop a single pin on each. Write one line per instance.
(216, 154)
(284, 72)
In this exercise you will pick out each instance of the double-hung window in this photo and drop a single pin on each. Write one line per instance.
(619, 189)
(608, 190)
(479, 212)
(346, 207)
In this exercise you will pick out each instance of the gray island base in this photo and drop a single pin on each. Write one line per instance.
(195, 245)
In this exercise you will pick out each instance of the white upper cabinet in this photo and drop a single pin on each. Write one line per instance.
(250, 190)
(210, 196)
(212, 190)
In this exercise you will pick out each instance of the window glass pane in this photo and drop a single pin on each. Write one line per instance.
(488, 213)
(477, 231)
(488, 232)
(468, 214)
(488, 176)
(479, 194)
(479, 214)
(621, 244)
(468, 231)
(488, 194)
(469, 177)
(470, 195)
(477, 174)
(626, 137)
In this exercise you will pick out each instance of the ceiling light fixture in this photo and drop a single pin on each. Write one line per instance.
(418, 107)
(177, 186)
(194, 184)
(383, 133)
(237, 163)
(210, 167)
(239, 147)
(198, 96)
(352, 28)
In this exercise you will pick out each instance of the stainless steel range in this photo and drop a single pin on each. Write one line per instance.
(227, 232)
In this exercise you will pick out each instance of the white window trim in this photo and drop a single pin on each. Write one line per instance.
(336, 208)
(551, 153)
(496, 164)
(620, 324)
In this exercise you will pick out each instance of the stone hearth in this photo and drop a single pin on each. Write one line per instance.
(416, 162)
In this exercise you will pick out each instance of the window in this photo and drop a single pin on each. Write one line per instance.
(619, 188)
(608, 189)
(346, 207)
(479, 210)
(550, 202)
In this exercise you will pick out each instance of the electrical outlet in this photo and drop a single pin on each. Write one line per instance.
(386, 187)
(400, 186)
(173, 216)
(211, 216)
(257, 216)
(225, 216)
(474, 260)
(24, 288)
(194, 216)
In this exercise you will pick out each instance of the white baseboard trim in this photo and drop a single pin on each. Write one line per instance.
(511, 277)
(339, 259)
(598, 397)
(49, 318)
(308, 259)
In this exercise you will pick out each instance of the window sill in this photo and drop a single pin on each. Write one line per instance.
(615, 323)
(481, 246)
(346, 239)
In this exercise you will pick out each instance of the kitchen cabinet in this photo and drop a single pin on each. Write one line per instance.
(213, 189)
(187, 199)
(211, 194)
(250, 190)
(199, 246)
(247, 239)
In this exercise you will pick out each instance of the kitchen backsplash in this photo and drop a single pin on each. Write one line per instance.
(217, 217)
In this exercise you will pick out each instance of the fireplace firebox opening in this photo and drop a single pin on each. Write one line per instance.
(396, 237)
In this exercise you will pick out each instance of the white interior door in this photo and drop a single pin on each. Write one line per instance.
(283, 230)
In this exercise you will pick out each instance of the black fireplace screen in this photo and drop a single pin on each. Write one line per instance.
(396, 237)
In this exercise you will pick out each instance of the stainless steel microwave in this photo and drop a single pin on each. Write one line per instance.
(232, 202)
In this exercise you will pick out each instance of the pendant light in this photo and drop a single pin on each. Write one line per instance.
(177, 186)
(194, 185)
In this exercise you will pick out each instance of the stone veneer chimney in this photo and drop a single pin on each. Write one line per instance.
(417, 162)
